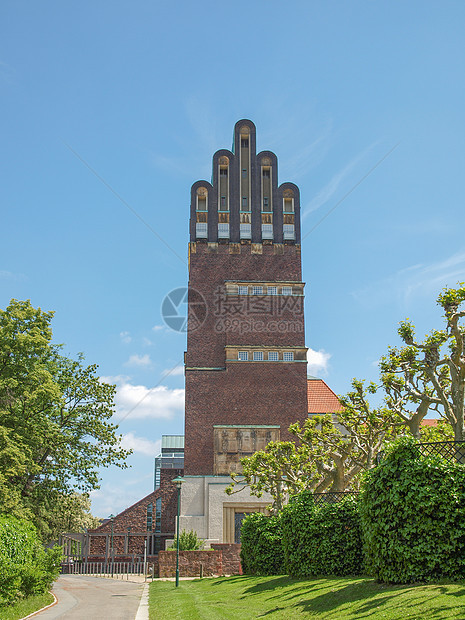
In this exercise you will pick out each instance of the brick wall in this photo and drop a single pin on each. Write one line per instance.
(222, 559)
(231, 557)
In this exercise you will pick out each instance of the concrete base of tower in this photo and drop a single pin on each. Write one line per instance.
(213, 515)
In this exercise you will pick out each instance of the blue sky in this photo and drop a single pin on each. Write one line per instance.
(144, 93)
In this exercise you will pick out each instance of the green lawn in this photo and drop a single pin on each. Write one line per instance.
(282, 597)
(25, 607)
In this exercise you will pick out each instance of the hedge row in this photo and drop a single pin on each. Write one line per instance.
(304, 541)
(26, 568)
(407, 525)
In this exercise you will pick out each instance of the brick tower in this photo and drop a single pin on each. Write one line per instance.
(245, 365)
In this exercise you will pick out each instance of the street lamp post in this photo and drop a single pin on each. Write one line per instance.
(178, 482)
(112, 517)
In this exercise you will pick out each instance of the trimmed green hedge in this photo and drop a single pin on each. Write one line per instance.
(261, 548)
(325, 540)
(26, 568)
(413, 516)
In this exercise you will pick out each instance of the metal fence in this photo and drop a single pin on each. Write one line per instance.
(332, 497)
(107, 569)
(451, 451)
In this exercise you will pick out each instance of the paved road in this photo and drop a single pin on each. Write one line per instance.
(81, 597)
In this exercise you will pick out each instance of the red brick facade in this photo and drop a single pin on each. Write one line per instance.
(221, 391)
(129, 529)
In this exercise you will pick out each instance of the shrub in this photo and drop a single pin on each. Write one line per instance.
(296, 520)
(188, 541)
(261, 546)
(413, 516)
(324, 540)
(26, 568)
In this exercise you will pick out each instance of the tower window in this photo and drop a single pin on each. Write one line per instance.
(244, 202)
(289, 231)
(243, 290)
(288, 356)
(244, 172)
(223, 172)
(223, 201)
(273, 356)
(265, 202)
(286, 290)
(244, 142)
(267, 231)
(257, 290)
(242, 356)
(223, 231)
(266, 173)
(272, 290)
(258, 356)
(246, 231)
(201, 230)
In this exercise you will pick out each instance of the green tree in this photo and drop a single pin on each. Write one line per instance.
(345, 443)
(430, 375)
(332, 452)
(281, 469)
(54, 410)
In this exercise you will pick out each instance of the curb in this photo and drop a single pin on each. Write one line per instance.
(34, 613)
(143, 609)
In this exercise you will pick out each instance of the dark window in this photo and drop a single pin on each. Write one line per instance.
(244, 142)
(223, 172)
(265, 201)
(244, 201)
(266, 173)
(244, 172)
(223, 201)
(149, 517)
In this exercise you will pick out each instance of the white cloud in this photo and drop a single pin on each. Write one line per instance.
(157, 328)
(139, 360)
(414, 281)
(173, 372)
(141, 402)
(114, 498)
(125, 337)
(317, 362)
(9, 275)
(140, 444)
(331, 188)
(146, 342)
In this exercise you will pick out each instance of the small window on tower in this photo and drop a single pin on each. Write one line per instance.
(266, 173)
(273, 356)
(288, 356)
(223, 172)
(244, 142)
(244, 172)
(272, 290)
(257, 290)
(223, 201)
(243, 290)
(286, 290)
(242, 356)
(265, 202)
(244, 202)
(258, 356)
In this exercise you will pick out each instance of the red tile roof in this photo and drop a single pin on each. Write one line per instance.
(321, 398)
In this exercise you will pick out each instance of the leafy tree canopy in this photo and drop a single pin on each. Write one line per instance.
(55, 416)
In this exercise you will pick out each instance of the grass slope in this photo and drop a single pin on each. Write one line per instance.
(247, 597)
(25, 607)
